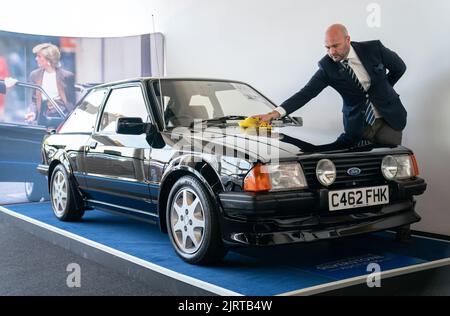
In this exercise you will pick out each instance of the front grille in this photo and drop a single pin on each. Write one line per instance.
(370, 172)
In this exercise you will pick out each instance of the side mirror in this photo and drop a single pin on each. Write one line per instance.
(131, 126)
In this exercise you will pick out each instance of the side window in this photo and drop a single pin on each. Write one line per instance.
(83, 118)
(123, 102)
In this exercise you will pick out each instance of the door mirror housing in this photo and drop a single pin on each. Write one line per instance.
(131, 126)
(135, 126)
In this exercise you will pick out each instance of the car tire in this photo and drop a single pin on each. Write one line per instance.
(403, 233)
(36, 190)
(66, 201)
(30, 192)
(193, 224)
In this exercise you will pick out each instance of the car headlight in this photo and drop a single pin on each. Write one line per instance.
(399, 167)
(275, 177)
(326, 172)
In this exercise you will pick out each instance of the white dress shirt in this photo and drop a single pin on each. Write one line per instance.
(360, 72)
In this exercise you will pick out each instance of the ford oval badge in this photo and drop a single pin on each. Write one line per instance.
(354, 171)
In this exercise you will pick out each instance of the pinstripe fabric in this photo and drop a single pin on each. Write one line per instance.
(369, 115)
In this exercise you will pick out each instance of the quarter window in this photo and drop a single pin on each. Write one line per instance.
(123, 102)
(83, 118)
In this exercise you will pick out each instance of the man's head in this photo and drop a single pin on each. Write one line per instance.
(337, 42)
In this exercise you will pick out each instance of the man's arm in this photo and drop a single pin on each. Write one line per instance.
(316, 84)
(393, 63)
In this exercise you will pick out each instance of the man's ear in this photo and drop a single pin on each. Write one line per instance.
(347, 39)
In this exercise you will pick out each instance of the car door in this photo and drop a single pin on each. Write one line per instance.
(76, 131)
(116, 165)
(20, 141)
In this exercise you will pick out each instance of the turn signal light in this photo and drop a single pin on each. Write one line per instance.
(257, 180)
(415, 165)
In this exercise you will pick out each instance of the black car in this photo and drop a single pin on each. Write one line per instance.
(172, 151)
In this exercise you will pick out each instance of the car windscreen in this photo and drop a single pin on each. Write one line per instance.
(188, 101)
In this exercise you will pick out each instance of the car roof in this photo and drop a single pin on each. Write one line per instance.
(141, 79)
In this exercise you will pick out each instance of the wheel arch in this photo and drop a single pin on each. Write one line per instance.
(59, 158)
(201, 170)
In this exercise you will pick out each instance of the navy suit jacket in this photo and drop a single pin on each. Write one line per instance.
(384, 67)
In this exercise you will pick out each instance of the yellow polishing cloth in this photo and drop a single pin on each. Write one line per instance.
(254, 122)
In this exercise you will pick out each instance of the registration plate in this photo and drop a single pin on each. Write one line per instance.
(361, 197)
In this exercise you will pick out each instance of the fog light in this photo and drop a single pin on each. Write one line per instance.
(326, 172)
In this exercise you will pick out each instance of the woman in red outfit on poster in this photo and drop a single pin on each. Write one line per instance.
(4, 72)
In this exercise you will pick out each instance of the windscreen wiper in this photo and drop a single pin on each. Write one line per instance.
(283, 121)
(221, 119)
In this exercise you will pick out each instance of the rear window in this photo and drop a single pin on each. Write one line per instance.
(83, 118)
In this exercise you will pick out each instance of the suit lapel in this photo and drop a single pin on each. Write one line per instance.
(338, 68)
(343, 73)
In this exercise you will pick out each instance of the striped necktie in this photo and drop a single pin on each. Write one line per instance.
(369, 115)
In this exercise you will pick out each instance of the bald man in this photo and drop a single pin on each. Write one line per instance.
(364, 74)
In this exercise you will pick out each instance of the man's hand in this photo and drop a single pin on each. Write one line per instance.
(10, 82)
(30, 117)
(268, 117)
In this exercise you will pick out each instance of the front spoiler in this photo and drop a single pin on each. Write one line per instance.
(276, 231)
(301, 236)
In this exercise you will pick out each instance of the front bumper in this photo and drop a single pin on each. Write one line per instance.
(292, 217)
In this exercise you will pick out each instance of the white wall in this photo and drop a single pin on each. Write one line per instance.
(80, 18)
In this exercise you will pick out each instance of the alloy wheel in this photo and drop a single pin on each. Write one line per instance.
(59, 194)
(187, 218)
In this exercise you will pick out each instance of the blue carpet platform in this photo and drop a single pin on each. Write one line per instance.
(288, 270)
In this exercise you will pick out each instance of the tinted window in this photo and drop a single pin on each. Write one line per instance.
(123, 102)
(83, 118)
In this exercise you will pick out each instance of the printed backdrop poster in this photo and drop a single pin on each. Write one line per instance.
(77, 64)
